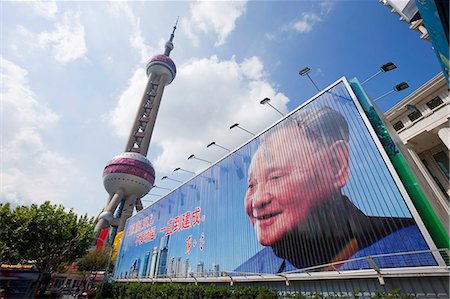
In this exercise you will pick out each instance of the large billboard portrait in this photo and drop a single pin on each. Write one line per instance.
(313, 189)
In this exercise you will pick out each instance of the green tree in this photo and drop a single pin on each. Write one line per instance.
(96, 260)
(46, 234)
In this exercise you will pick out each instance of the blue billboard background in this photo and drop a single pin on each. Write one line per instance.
(202, 228)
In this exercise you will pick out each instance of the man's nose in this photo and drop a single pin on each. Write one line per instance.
(261, 199)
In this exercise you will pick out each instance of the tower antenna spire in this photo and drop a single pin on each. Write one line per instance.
(169, 44)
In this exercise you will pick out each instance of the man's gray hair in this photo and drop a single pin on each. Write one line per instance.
(322, 124)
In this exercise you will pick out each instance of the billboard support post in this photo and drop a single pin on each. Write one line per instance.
(376, 268)
(285, 278)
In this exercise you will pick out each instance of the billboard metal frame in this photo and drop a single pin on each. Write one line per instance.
(433, 249)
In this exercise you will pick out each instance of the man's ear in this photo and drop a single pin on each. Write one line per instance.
(340, 159)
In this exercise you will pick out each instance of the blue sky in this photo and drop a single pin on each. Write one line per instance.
(73, 72)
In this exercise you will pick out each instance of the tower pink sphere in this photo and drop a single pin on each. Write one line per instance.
(162, 64)
(131, 172)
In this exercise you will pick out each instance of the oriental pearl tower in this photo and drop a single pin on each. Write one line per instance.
(129, 176)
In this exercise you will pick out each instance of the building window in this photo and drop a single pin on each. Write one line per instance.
(414, 115)
(433, 175)
(398, 125)
(442, 160)
(437, 101)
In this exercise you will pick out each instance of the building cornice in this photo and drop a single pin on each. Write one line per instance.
(431, 86)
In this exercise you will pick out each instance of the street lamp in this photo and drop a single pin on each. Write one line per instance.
(181, 169)
(398, 87)
(167, 178)
(305, 72)
(152, 194)
(218, 145)
(389, 66)
(266, 101)
(411, 107)
(154, 186)
(200, 159)
(236, 125)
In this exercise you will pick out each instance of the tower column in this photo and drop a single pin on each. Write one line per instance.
(145, 96)
(153, 113)
(106, 216)
(127, 211)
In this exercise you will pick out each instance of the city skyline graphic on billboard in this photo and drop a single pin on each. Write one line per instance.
(311, 190)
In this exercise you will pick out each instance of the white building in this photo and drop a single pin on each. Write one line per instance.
(408, 12)
(422, 123)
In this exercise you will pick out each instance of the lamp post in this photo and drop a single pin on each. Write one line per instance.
(305, 72)
(200, 159)
(181, 169)
(154, 186)
(267, 101)
(147, 200)
(411, 107)
(398, 87)
(236, 125)
(167, 178)
(389, 66)
(153, 194)
(218, 145)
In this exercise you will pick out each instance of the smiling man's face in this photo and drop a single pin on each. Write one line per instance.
(288, 176)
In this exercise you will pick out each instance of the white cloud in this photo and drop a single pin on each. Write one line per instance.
(30, 171)
(47, 9)
(253, 68)
(19, 104)
(213, 17)
(128, 103)
(206, 97)
(136, 39)
(307, 21)
(325, 7)
(66, 39)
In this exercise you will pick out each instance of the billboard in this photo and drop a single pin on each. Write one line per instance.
(315, 188)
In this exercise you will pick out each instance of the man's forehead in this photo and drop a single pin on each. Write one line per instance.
(278, 149)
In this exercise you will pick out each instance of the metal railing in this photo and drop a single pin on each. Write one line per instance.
(364, 267)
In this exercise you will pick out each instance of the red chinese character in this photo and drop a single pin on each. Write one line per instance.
(169, 227)
(188, 244)
(150, 220)
(139, 238)
(176, 223)
(186, 220)
(202, 241)
(152, 233)
(196, 217)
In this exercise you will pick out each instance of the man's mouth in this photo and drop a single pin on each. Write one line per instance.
(266, 216)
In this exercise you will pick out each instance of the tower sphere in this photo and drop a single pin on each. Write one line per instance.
(131, 172)
(162, 64)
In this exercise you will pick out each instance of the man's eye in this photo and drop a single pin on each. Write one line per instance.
(250, 186)
(275, 177)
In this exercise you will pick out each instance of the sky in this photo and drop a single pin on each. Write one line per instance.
(72, 75)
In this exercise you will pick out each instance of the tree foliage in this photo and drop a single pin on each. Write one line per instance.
(155, 291)
(96, 260)
(46, 234)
